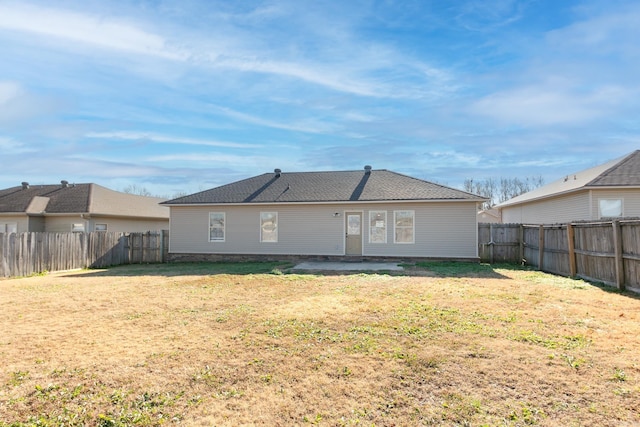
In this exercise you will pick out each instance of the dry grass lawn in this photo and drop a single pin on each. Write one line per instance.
(213, 344)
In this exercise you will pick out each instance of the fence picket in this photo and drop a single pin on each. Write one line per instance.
(580, 249)
(24, 254)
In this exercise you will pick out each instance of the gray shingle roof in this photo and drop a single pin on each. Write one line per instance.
(79, 198)
(340, 186)
(74, 198)
(621, 172)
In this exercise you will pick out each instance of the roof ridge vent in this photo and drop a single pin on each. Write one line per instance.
(278, 172)
(367, 169)
(25, 185)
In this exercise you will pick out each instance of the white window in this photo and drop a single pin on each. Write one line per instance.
(610, 208)
(101, 227)
(77, 227)
(404, 229)
(377, 227)
(216, 226)
(268, 226)
(8, 227)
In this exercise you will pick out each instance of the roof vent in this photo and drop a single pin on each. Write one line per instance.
(64, 183)
(367, 169)
(277, 172)
(25, 185)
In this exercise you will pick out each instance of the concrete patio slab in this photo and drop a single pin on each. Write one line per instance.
(348, 266)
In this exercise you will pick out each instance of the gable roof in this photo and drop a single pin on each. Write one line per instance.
(67, 198)
(313, 187)
(622, 172)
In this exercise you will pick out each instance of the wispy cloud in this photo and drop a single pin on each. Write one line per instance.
(18, 104)
(216, 157)
(84, 28)
(308, 125)
(8, 92)
(11, 146)
(546, 105)
(365, 71)
(575, 75)
(488, 15)
(323, 77)
(165, 139)
(611, 30)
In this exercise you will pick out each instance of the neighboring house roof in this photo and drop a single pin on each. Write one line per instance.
(340, 186)
(623, 172)
(79, 198)
(489, 214)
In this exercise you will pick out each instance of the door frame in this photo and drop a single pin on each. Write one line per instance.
(344, 230)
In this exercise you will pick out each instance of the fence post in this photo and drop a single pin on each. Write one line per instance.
(521, 245)
(573, 270)
(4, 255)
(165, 245)
(492, 244)
(540, 246)
(617, 248)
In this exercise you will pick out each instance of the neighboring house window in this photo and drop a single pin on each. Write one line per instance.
(404, 229)
(78, 227)
(216, 226)
(610, 208)
(268, 226)
(9, 227)
(377, 227)
(101, 227)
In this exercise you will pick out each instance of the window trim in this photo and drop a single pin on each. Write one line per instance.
(77, 227)
(98, 227)
(224, 227)
(413, 227)
(372, 215)
(5, 226)
(621, 200)
(275, 213)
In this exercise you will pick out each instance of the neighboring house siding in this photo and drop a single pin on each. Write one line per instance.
(128, 225)
(572, 207)
(36, 223)
(22, 222)
(486, 218)
(579, 206)
(62, 223)
(441, 230)
(630, 201)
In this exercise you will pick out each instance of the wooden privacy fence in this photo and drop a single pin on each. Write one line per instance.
(606, 251)
(23, 254)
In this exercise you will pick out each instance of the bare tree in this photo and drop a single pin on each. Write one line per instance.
(137, 190)
(502, 189)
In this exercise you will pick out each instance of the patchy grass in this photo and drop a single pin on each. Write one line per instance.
(196, 268)
(459, 269)
(246, 344)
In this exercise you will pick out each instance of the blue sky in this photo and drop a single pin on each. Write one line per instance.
(181, 96)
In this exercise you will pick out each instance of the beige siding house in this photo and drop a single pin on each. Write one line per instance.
(489, 216)
(369, 213)
(609, 190)
(78, 207)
